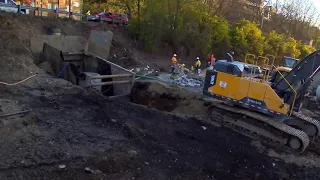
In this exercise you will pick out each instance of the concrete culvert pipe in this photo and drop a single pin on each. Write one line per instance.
(318, 93)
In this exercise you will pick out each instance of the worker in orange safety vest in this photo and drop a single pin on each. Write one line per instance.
(174, 62)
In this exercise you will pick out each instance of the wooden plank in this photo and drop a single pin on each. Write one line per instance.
(111, 76)
(72, 53)
(111, 82)
(118, 96)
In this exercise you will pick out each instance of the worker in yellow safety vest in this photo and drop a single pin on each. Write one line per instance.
(198, 64)
(182, 66)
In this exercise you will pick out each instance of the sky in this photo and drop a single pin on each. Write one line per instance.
(317, 3)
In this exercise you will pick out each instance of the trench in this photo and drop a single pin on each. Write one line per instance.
(72, 67)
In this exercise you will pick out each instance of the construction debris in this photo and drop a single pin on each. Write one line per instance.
(186, 81)
(145, 71)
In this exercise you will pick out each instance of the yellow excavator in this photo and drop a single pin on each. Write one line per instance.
(269, 110)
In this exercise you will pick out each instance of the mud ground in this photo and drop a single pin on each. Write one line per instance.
(77, 129)
(183, 102)
(73, 133)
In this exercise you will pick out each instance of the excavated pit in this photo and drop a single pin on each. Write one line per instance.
(169, 98)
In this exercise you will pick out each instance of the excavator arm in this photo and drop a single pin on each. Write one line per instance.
(300, 78)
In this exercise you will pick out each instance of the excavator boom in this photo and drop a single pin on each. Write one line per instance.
(306, 67)
(300, 77)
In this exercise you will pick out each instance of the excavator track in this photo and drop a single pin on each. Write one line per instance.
(263, 126)
(313, 123)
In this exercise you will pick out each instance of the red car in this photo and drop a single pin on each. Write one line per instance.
(111, 18)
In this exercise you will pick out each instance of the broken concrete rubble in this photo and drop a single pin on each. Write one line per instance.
(182, 80)
(187, 81)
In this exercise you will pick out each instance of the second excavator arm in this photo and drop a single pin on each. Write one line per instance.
(300, 77)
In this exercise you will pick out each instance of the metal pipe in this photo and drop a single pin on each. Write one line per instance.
(111, 76)
(13, 114)
(111, 82)
(113, 64)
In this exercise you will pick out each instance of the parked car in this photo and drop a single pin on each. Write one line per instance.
(121, 19)
(12, 9)
(110, 18)
(94, 17)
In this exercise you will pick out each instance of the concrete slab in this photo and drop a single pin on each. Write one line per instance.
(46, 66)
(61, 42)
(99, 43)
(53, 56)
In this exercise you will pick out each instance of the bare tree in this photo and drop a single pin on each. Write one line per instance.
(295, 17)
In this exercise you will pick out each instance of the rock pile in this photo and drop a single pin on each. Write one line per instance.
(186, 81)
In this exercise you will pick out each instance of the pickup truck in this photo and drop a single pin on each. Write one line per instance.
(11, 9)
(109, 17)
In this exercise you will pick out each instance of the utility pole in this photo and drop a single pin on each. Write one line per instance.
(69, 8)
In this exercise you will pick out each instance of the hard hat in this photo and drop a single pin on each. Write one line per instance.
(197, 57)
(174, 55)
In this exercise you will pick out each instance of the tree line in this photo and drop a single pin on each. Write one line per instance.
(198, 27)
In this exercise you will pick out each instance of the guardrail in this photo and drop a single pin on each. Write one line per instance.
(20, 9)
